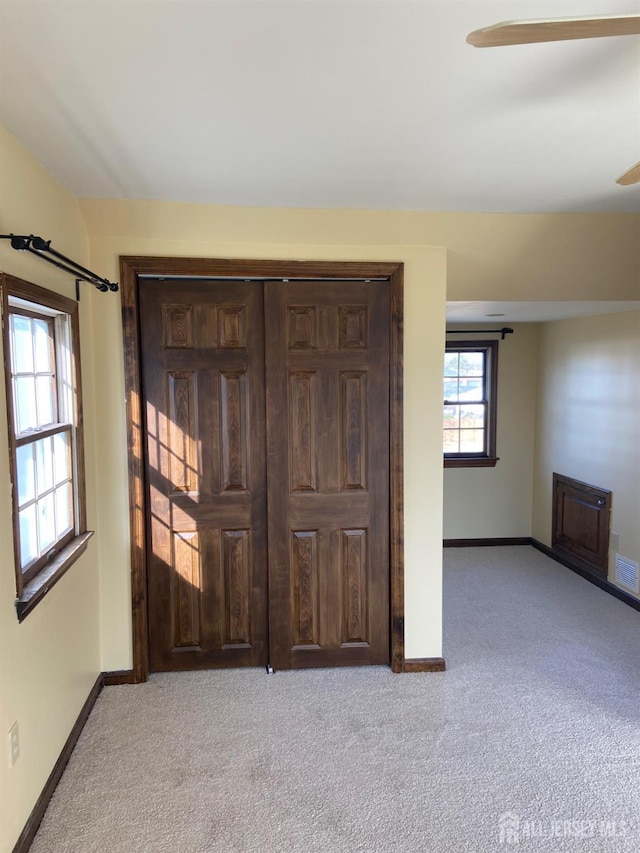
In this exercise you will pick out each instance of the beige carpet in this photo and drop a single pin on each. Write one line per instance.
(530, 740)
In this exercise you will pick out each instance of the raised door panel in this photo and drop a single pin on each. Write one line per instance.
(234, 430)
(203, 381)
(236, 550)
(182, 435)
(353, 430)
(177, 326)
(303, 456)
(355, 579)
(185, 590)
(304, 587)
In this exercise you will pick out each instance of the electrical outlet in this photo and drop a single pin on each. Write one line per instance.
(14, 744)
(614, 541)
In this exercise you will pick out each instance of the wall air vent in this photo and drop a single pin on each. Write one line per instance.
(627, 572)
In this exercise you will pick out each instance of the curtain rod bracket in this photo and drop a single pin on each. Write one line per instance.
(42, 249)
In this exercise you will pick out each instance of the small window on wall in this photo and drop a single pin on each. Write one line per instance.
(44, 407)
(470, 383)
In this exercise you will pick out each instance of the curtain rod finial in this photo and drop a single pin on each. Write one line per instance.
(40, 245)
(19, 243)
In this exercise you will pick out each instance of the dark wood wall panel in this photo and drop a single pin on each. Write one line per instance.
(302, 426)
(236, 560)
(177, 326)
(353, 415)
(304, 564)
(355, 571)
(233, 410)
(182, 439)
(581, 516)
(186, 590)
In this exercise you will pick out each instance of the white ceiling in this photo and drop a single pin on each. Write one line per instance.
(322, 103)
(499, 313)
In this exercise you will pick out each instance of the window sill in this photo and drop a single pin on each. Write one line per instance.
(36, 589)
(471, 462)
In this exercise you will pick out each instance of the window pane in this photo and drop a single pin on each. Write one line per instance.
(25, 403)
(472, 416)
(64, 509)
(26, 474)
(471, 389)
(471, 364)
(451, 417)
(46, 523)
(471, 441)
(42, 346)
(22, 344)
(45, 388)
(61, 457)
(451, 364)
(451, 389)
(451, 440)
(44, 464)
(28, 535)
(65, 374)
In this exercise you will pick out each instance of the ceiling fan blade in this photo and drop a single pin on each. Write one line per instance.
(631, 176)
(554, 29)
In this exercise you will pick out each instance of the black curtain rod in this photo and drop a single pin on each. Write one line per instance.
(504, 332)
(42, 248)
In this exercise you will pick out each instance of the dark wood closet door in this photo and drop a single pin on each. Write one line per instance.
(327, 348)
(203, 388)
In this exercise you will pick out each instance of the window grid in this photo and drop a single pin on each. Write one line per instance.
(465, 404)
(470, 406)
(45, 501)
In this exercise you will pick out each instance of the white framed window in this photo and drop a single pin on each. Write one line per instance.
(44, 408)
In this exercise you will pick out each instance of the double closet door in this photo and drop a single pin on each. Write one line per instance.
(266, 408)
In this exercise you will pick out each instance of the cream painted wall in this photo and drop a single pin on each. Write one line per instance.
(490, 256)
(588, 413)
(497, 502)
(48, 663)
